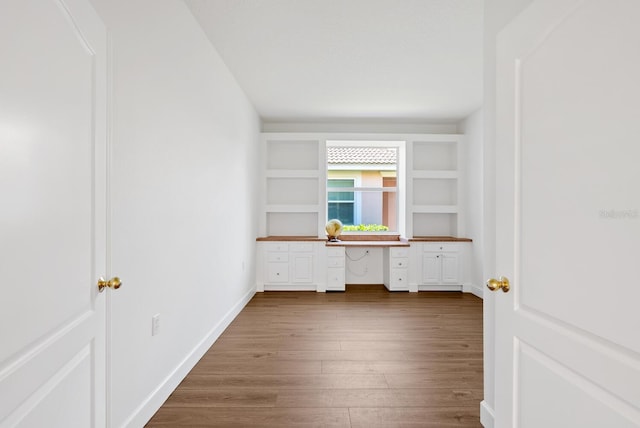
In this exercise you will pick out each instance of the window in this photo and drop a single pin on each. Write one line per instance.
(362, 185)
(341, 205)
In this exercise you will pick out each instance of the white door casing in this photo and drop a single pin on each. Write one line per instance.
(568, 204)
(53, 214)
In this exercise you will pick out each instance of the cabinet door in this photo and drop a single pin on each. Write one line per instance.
(450, 268)
(277, 272)
(302, 268)
(431, 268)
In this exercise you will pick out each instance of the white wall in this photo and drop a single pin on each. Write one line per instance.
(473, 193)
(184, 206)
(362, 267)
(497, 14)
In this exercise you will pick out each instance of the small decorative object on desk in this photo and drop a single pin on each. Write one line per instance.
(334, 229)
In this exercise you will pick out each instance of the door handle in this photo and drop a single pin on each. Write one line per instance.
(114, 283)
(500, 283)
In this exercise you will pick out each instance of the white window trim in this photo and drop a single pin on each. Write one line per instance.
(400, 145)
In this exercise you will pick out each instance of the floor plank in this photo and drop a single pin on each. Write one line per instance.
(362, 358)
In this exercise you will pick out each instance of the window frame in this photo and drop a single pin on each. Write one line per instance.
(349, 172)
(354, 201)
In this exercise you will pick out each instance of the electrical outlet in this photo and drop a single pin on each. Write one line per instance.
(155, 324)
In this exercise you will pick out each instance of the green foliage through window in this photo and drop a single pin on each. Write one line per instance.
(365, 228)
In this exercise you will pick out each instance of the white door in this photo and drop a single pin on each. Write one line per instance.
(568, 203)
(52, 214)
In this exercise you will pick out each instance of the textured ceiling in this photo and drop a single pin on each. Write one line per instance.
(315, 60)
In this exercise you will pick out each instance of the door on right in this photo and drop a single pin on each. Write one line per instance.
(568, 204)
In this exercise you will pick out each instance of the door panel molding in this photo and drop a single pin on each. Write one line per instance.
(528, 356)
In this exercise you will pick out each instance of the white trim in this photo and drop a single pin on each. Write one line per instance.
(360, 189)
(360, 142)
(361, 167)
(110, 132)
(150, 405)
(435, 209)
(291, 287)
(487, 415)
(291, 208)
(477, 291)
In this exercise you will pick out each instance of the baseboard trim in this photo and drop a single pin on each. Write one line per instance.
(473, 289)
(487, 417)
(154, 401)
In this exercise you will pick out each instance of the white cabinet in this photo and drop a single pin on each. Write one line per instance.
(335, 268)
(287, 266)
(442, 265)
(396, 268)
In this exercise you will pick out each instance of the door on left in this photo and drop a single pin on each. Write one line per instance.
(52, 214)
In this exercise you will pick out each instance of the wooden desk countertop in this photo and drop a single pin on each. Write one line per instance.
(365, 240)
(439, 239)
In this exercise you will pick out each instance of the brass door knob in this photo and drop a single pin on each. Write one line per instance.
(114, 283)
(502, 282)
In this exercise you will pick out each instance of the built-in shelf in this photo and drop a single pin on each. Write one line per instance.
(435, 155)
(292, 154)
(291, 223)
(294, 184)
(430, 224)
(435, 174)
(434, 186)
(436, 209)
(293, 173)
(292, 208)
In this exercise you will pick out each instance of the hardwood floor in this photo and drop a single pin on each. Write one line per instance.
(362, 358)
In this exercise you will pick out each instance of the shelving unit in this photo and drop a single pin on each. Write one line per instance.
(294, 175)
(294, 194)
(294, 208)
(433, 186)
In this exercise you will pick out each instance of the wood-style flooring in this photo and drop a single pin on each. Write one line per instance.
(362, 358)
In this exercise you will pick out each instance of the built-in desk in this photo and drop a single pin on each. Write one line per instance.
(312, 263)
(378, 244)
(395, 268)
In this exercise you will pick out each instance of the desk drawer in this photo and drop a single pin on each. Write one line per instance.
(277, 257)
(399, 252)
(399, 262)
(304, 247)
(442, 246)
(280, 247)
(334, 262)
(335, 251)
